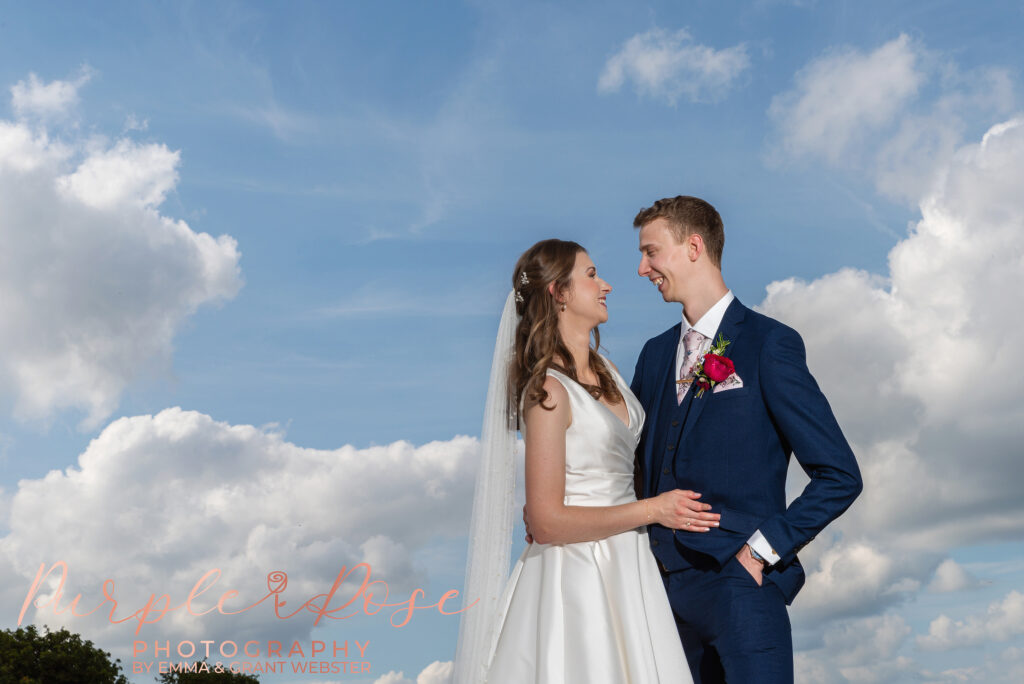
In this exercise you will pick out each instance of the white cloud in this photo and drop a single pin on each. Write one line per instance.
(53, 100)
(94, 280)
(951, 576)
(668, 66)
(921, 366)
(873, 650)
(169, 497)
(840, 97)
(871, 112)
(1004, 668)
(5, 507)
(436, 673)
(921, 369)
(393, 677)
(862, 641)
(859, 650)
(852, 579)
(123, 175)
(23, 150)
(133, 123)
(1001, 622)
(924, 141)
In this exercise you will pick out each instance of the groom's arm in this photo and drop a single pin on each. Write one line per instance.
(808, 426)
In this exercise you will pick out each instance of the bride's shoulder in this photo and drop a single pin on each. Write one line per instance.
(556, 405)
(608, 362)
(555, 387)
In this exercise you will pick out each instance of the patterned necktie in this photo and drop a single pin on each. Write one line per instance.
(692, 342)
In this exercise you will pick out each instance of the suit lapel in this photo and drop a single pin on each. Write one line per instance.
(730, 328)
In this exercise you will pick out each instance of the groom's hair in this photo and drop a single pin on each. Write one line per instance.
(688, 215)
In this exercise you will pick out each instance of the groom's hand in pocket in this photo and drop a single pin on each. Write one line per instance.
(751, 564)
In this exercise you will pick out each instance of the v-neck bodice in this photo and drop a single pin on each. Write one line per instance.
(599, 446)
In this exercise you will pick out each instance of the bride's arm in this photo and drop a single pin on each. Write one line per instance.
(552, 522)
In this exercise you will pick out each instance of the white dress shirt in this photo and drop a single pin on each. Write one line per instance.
(708, 327)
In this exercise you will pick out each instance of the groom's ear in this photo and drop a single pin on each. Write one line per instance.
(694, 246)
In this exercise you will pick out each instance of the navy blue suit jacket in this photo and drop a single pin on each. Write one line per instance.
(734, 447)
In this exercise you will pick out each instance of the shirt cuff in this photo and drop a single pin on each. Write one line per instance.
(758, 542)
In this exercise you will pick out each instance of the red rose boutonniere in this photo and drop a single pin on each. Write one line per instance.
(713, 368)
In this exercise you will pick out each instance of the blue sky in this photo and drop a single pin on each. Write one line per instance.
(365, 176)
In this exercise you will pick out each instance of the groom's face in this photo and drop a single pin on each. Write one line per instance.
(664, 261)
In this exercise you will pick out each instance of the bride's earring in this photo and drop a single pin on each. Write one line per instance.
(551, 290)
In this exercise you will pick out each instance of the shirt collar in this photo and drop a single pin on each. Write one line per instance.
(710, 321)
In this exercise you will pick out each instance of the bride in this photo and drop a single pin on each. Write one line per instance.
(585, 602)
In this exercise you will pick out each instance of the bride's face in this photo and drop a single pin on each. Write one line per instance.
(585, 300)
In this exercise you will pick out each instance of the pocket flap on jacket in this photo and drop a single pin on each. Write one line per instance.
(739, 521)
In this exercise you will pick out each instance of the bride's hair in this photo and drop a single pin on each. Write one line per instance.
(538, 344)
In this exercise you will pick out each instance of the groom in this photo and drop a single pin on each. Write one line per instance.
(727, 432)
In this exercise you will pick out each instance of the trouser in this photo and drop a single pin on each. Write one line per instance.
(733, 630)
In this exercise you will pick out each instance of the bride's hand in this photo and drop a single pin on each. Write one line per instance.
(680, 509)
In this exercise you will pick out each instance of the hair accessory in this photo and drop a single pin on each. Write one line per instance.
(519, 297)
(523, 280)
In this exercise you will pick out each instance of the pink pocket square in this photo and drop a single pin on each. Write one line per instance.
(731, 382)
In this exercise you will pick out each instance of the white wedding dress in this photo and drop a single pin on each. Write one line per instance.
(590, 612)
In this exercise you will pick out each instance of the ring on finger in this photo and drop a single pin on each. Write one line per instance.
(688, 522)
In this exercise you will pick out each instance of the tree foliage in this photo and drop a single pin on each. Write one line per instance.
(30, 657)
(211, 677)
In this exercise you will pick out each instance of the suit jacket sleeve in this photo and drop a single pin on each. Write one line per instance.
(806, 422)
